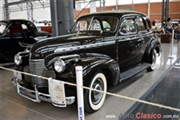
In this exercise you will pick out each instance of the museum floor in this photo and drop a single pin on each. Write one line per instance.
(15, 107)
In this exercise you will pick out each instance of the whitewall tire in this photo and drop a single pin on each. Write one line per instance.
(153, 60)
(94, 100)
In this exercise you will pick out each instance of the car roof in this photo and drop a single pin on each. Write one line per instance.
(116, 13)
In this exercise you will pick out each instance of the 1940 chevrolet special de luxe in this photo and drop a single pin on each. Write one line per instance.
(110, 46)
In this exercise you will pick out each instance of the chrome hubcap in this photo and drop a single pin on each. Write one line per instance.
(97, 96)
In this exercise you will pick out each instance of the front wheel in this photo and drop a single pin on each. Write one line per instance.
(93, 100)
(153, 60)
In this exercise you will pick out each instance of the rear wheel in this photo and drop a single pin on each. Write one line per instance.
(93, 100)
(153, 60)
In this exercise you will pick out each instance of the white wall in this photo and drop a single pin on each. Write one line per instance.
(38, 14)
(1, 10)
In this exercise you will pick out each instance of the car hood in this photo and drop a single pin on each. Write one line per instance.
(64, 41)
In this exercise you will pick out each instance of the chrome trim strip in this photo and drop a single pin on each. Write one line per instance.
(36, 60)
(81, 47)
(7, 64)
(69, 56)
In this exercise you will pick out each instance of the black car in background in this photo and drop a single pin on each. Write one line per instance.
(110, 46)
(16, 32)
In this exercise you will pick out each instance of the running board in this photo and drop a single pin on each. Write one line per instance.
(129, 73)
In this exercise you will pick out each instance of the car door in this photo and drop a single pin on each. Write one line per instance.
(129, 43)
(144, 33)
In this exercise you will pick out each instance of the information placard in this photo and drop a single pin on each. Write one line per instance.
(57, 92)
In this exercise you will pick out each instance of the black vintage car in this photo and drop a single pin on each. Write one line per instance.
(16, 32)
(110, 46)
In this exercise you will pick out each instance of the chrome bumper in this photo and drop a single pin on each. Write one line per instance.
(35, 95)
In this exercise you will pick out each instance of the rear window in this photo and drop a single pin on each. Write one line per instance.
(148, 26)
(140, 24)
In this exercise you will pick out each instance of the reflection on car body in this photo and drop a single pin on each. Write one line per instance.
(14, 31)
(121, 46)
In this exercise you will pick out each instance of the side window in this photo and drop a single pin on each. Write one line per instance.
(31, 27)
(24, 28)
(81, 25)
(2, 27)
(128, 26)
(106, 26)
(109, 24)
(140, 24)
(147, 23)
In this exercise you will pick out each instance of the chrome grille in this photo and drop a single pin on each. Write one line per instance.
(27, 77)
(37, 67)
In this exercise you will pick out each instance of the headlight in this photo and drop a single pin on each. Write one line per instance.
(17, 59)
(59, 66)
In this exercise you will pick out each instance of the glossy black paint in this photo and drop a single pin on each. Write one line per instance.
(165, 92)
(17, 31)
(111, 52)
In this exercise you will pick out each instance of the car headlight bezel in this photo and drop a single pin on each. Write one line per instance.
(59, 65)
(17, 59)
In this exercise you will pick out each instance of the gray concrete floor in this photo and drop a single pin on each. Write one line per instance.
(15, 107)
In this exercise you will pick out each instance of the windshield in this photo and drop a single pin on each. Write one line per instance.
(96, 24)
(2, 27)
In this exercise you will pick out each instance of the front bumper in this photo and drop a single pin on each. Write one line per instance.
(35, 95)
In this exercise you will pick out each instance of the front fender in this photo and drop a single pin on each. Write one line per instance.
(108, 67)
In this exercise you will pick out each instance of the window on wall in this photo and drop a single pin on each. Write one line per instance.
(128, 26)
(140, 24)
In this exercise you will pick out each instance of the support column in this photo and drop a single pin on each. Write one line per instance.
(102, 5)
(167, 9)
(6, 10)
(132, 5)
(149, 8)
(30, 11)
(62, 16)
(117, 5)
(163, 11)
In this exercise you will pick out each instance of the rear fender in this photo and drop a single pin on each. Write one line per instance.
(155, 44)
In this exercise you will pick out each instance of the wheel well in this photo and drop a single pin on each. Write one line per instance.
(147, 57)
(157, 50)
(107, 75)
